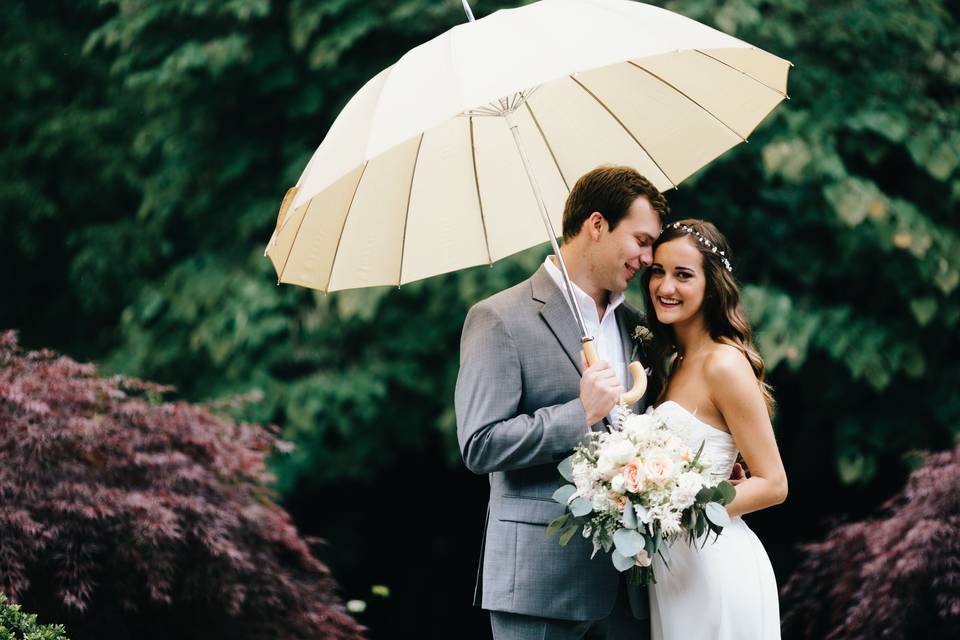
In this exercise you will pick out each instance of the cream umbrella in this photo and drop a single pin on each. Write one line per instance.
(463, 151)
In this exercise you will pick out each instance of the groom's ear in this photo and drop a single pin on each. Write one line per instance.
(594, 225)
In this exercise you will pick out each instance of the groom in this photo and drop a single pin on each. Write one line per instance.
(523, 401)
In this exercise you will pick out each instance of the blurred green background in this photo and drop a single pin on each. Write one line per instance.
(146, 148)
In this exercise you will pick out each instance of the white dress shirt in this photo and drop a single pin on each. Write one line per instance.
(605, 332)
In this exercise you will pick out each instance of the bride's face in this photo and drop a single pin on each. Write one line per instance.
(677, 281)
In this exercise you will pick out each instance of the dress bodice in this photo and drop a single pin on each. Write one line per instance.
(719, 447)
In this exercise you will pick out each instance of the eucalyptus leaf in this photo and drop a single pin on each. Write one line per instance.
(717, 514)
(628, 542)
(566, 468)
(563, 494)
(621, 562)
(581, 507)
(649, 546)
(557, 524)
(727, 492)
(665, 553)
(705, 495)
(567, 534)
(629, 518)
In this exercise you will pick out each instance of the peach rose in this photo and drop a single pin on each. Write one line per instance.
(657, 470)
(621, 500)
(633, 476)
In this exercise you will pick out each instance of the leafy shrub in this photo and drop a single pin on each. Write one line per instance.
(17, 625)
(893, 576)
(127, 516)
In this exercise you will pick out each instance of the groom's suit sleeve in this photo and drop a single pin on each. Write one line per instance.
(493, 435)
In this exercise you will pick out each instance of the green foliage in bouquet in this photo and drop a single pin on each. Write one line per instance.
(632, 492)
(16, 624)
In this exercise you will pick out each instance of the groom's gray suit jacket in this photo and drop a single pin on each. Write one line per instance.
(518, 415)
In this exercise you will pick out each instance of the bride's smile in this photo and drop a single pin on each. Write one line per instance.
(677, 285)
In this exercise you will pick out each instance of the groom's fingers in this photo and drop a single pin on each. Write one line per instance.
(600, 389)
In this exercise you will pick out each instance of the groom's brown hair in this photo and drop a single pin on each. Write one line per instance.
(610, 190)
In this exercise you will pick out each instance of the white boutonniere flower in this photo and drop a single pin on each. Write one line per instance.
(642, 336)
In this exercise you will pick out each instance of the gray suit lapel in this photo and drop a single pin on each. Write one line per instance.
(557, 314)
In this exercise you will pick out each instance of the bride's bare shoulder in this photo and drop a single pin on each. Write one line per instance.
(727, 363)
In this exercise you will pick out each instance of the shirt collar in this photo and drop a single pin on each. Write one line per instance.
(585, 301)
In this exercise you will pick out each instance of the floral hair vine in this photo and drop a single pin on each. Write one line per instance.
(704, 241)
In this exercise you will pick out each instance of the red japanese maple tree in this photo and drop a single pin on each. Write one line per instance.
(894, 576)
(124, 515)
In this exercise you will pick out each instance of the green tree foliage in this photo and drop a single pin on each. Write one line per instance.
(16, 624)
(152, 141)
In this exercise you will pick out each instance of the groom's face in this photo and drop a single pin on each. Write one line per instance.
(620, 253)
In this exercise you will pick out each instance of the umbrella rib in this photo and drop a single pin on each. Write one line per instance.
(549, 148)
(757, 80)
(624, 127)
(476, 181)
(294, 242)
(333, 263)
(703, 108)
(406, 216)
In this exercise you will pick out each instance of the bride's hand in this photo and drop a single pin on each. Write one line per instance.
(737, 475)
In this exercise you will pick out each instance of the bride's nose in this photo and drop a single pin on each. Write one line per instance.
(666, 287)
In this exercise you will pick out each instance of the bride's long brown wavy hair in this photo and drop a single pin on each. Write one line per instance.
(723, 315)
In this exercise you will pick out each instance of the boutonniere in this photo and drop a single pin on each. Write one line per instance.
(642, 336)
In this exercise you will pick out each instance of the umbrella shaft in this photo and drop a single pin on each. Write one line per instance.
(514, 129)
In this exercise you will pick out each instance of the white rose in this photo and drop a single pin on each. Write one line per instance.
(659, 468)
(606, 467)
(689, 484)
(690, 481)
(638, 428)
(602, 502)
(616, 484)
(620, 451)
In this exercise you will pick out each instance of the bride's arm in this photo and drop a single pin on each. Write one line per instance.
(736, 393)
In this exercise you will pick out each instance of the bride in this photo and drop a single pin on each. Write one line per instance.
(713, 392)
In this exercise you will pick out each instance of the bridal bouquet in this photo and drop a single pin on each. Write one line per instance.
(634, 490)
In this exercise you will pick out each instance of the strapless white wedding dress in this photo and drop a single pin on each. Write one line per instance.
(726, 590)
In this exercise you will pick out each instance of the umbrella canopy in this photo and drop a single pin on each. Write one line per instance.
(419, 176)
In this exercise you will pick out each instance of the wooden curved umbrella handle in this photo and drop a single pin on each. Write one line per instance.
(636, 369)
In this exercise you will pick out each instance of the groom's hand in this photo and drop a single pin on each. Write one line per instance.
(599, 390)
